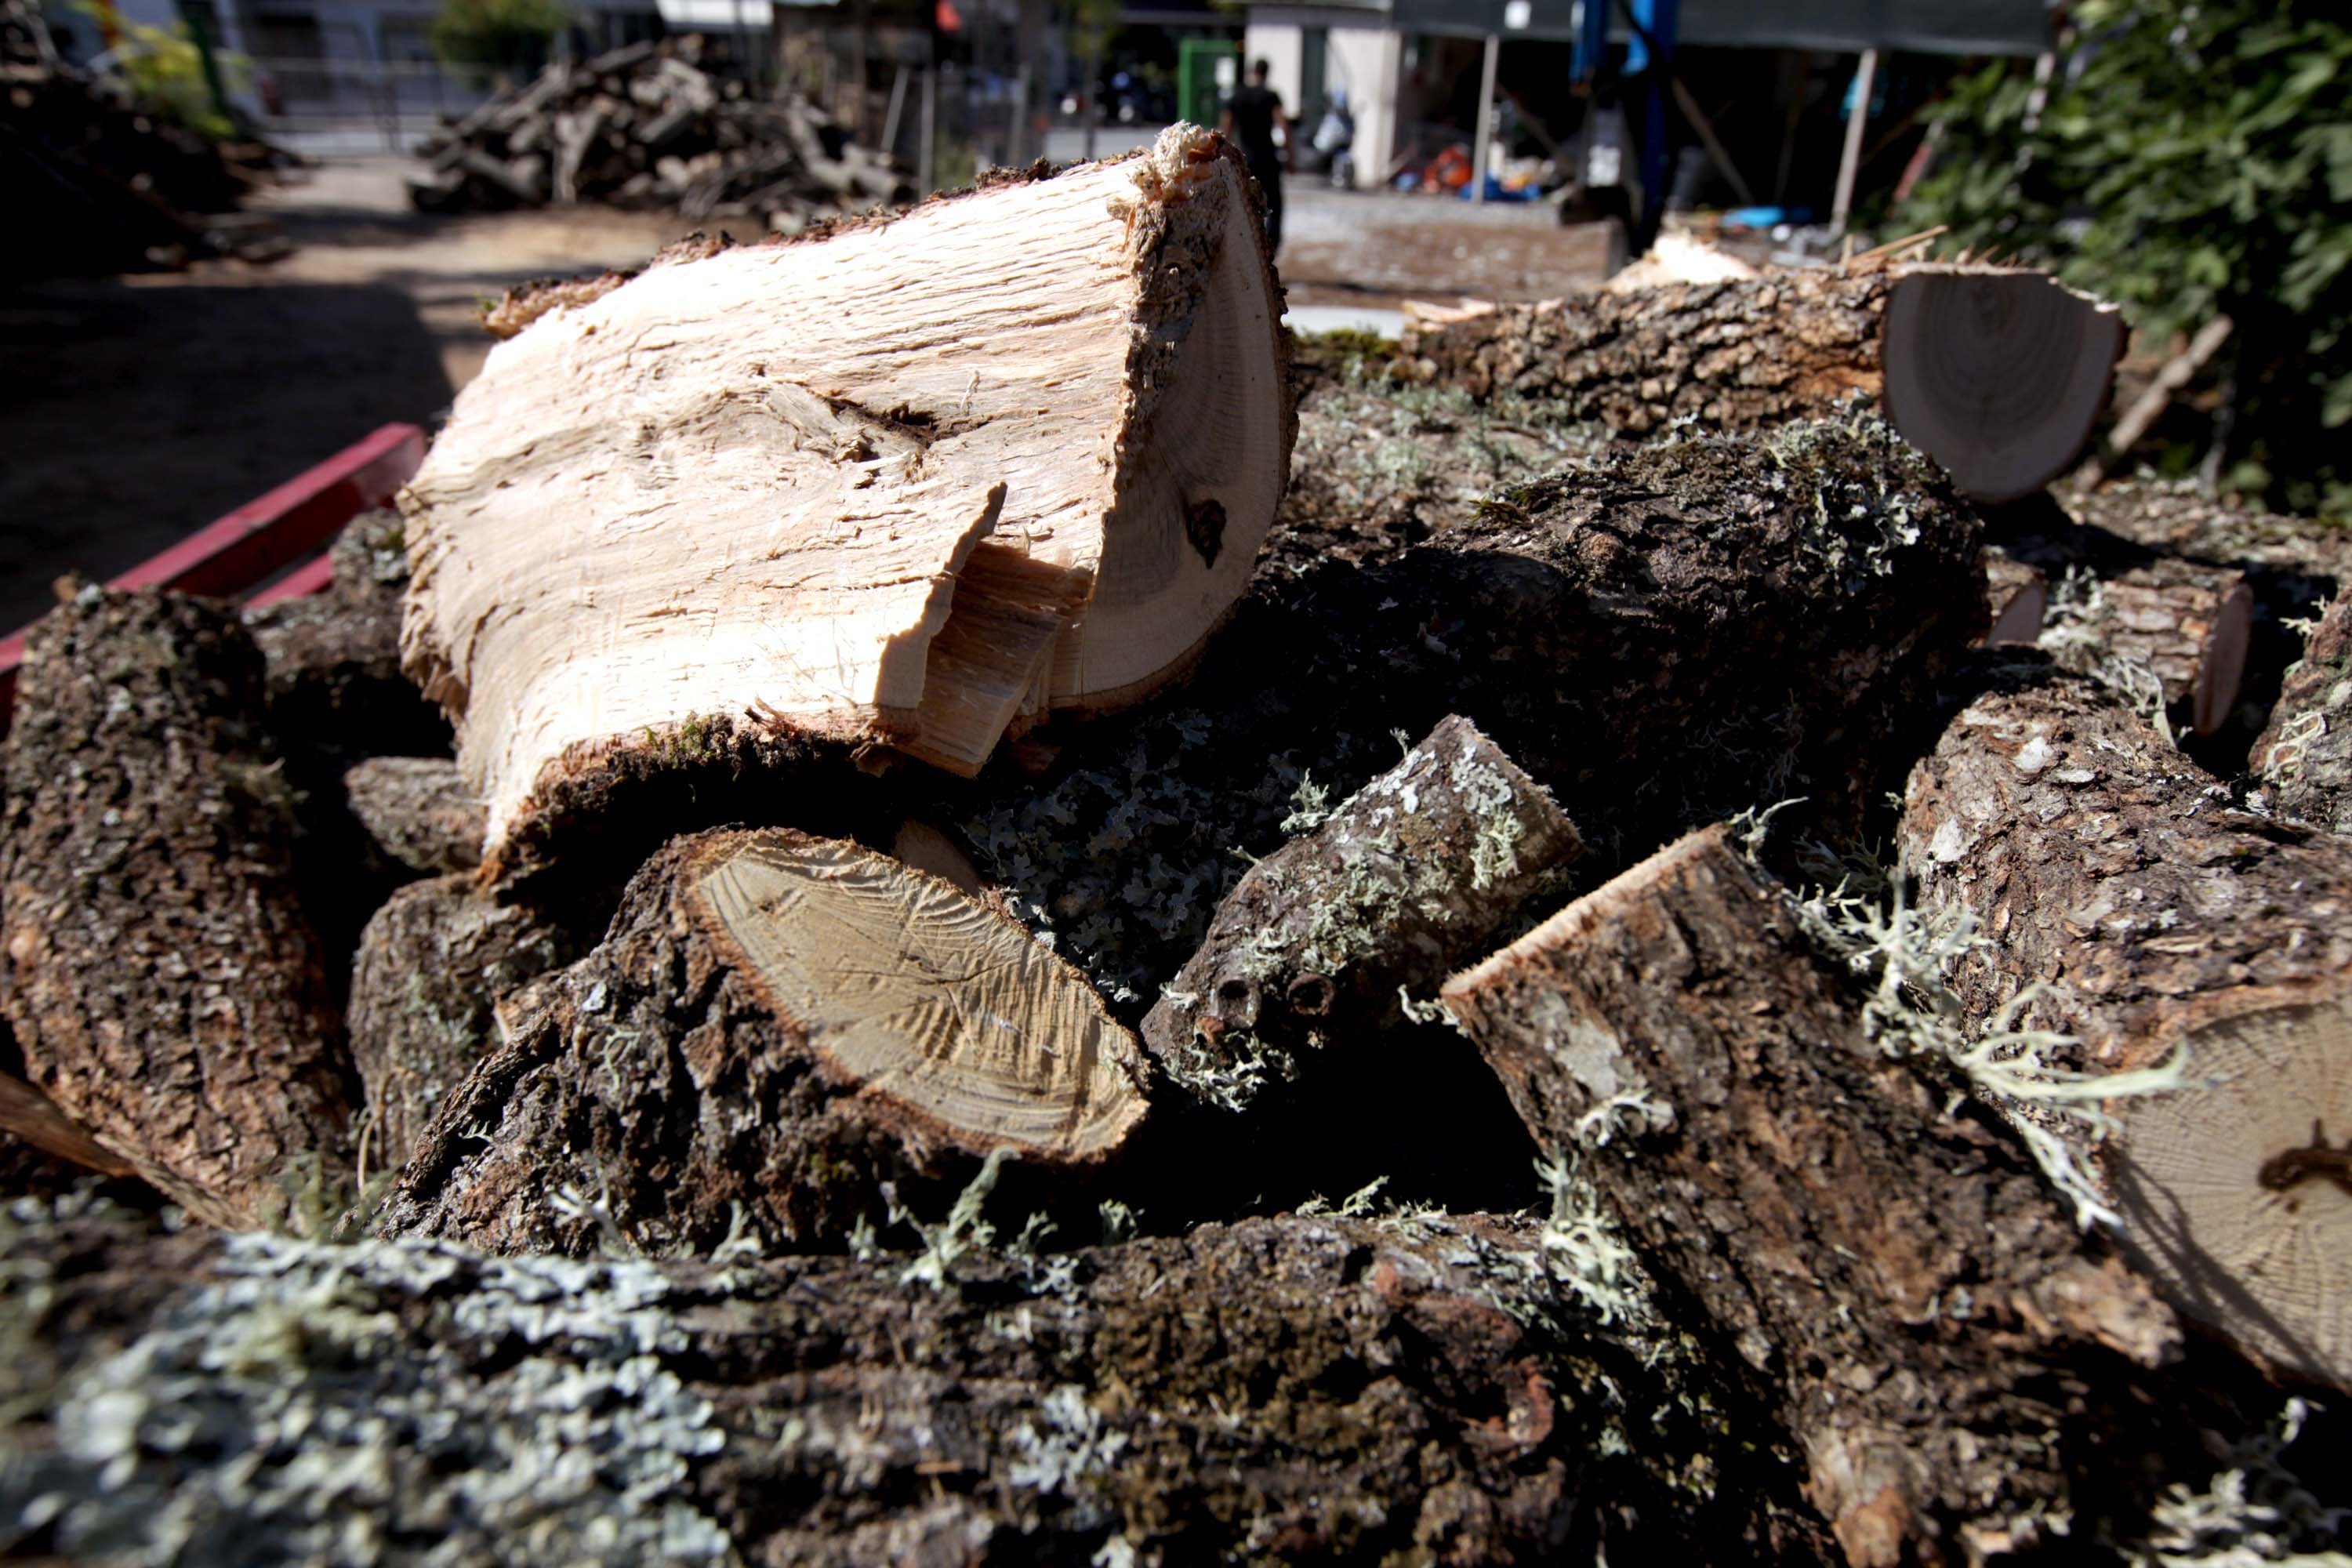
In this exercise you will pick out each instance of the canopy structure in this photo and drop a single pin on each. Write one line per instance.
(1924, 26)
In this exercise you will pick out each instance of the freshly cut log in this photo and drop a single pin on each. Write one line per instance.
(776, 1029)
(1995, 373)
(432, 967)
(1934, 1332)
(2110, 871)
(154, 962)
(915, 483)
(2016, 597)
(419, 810)
(1294, 1390)
(2186, 625)
(2305, 754)
(1412, 876)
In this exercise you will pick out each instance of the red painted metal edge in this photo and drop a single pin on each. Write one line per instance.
(265, 535)
(312, 576)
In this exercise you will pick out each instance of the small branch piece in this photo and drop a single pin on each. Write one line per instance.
(2017, 595)
(2305, 755)
(419, 810)
(1420, 871)
(778, 1032)
(2180, 628)
(1922, 1307)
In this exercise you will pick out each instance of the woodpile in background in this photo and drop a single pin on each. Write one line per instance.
(700, 1097)
(644, 127)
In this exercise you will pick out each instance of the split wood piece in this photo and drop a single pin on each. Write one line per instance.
(333, 656)
(1998, 374)
(2184, 625)
(419, 810)
(775, 1030)
(2016, 597)
(432, 966)
(2305, 754)
(154, 962)
(1421, 870)
(1935, 1333)
(1293, 1389)
(2106, 868)
(915, 482)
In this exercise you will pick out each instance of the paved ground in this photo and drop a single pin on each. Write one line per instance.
(134, 410)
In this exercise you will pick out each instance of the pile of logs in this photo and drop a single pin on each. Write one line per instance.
(99, 181)
(948, 991)
(644, 127)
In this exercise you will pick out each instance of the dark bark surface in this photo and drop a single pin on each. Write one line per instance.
(2172, 517)
(2304, 756)
(1407, 1391)
(2184, 624)
(419, 810)
(157, 969)
(432, 967)
(1947, 1352)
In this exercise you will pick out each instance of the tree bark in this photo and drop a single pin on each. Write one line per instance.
(1417, 873)
(2305, 754)
(2111, 872)
(777, 1035)
(999, 456)
(1276, 1390)
(2173, 518)
(1998, 374)
(2173, 628)
(161, 982)
(432, 967)
(418, 810)
(1941, 1343)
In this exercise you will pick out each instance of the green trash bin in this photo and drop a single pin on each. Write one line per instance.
(1207, 71)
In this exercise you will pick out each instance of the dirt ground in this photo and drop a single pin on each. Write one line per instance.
(134, 410)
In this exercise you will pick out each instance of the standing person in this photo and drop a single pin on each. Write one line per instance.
(1250, 118)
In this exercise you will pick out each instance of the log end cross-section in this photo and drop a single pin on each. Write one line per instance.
(776, 1027)
(915, 483)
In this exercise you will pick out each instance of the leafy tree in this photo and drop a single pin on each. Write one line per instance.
(2193, 159)
(509, 37)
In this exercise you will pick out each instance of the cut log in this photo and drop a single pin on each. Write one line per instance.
(1277, 1390)
(2305, 754)
(1997, 373)
(2113, 873)
(913, 483)
(2174, 517)
(2172, 627)
(776, 1029)
(1938, 1337)
(419, 810)
(1417, 873)
(2016, 597)
(432, 967)
(154, 962)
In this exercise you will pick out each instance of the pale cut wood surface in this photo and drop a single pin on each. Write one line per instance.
(911, 482)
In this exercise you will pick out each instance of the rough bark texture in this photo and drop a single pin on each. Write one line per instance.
(2107, 869)
(1273, 1391)
(419, 810)
(2186, 625)
(1944, 1348)
(1409, 878)
(665, 1087)
(2305, 754)
(432, 967)
(335, 685)
(2174, 518)
(157, 967)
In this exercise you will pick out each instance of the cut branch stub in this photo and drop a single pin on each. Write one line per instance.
(916, 482)
(776, 1028)
(2185, 627)
(2110, 870)
(2017, 595)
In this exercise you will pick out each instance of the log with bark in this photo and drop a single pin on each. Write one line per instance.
(2129, 904)
(2304, 756)
(433, 966)
(1407, 880)
(2172, 633)
(1276, 1390)
(781, 1036)
(2174, 517)
(1999, 374)
(1945, 1348)
(813, 489)
(154, 962)
(418, 810)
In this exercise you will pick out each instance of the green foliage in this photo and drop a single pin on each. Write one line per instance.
(503, 36)
(2193, 159)
(167, 76)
